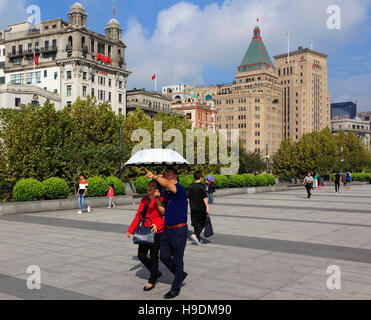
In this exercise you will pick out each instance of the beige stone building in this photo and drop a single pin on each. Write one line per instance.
(305, 99)
(151, 102)
(73, 61)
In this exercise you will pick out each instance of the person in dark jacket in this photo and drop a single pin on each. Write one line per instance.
(150, 207)
(211, 187)
(198, 202)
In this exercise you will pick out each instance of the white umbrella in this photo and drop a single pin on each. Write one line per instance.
(156, 157)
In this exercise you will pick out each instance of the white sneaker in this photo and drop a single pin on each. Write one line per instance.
(89, 210)
(79, 212)
(194, 239)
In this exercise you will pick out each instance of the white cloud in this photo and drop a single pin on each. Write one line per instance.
(12, 12)
(189, 38)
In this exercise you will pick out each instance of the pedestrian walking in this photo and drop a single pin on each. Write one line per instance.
(81, 194)
(308, 181)
(174, 238)
(150, 207)
(198, 202)
(348, 179)
(316, 176)
(337, 180)
(110, 196)
(211, 187)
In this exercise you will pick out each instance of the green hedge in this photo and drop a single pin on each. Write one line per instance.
(356, 176)
(221, 182)
(186, 180)
(249, 180)
(141, 184)
(270, 178)
(55, 188)
(28, 190)
(261, 180)
(118, 185)
(97, 187)
(236, 181)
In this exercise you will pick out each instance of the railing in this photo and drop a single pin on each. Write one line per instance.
(49, 49)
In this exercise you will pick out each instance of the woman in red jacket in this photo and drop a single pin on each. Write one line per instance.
(150, 207)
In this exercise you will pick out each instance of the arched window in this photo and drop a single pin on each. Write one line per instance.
(70, 42)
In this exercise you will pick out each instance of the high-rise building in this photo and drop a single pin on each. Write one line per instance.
(343, 110)
(72, 61)
(306, 100)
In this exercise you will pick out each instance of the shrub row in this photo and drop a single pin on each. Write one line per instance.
(56, 188)
(221, 181)
(357, 176)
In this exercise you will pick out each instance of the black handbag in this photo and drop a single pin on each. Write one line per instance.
(208, 228)
(143, 234)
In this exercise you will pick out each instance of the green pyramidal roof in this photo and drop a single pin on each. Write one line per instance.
(257, 56)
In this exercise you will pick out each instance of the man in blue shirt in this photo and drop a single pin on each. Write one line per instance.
(174, 237)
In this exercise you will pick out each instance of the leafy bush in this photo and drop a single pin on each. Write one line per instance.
(141, 184)
(368, 177)
(261, 180)
(249, 180)
(221, 182)
(236, 181)
(97, 187)
(186, 180)
(28, 190)
(55, 188)
(358, 176)
(118, 185)
(270, 179)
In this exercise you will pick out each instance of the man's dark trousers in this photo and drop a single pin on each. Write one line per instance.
(172, 245)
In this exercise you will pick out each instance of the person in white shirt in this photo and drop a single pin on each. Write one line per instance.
(308, 181)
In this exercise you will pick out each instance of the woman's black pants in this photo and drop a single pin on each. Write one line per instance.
(151, 263)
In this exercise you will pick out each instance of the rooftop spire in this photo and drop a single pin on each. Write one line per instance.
(257, 56)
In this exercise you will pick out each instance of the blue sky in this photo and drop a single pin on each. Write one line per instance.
(203, 41)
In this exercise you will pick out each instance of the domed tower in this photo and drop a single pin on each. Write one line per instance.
(113, 30)
(77, 16)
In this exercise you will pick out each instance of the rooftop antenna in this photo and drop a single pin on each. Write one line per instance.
(288, 46)
(311, 45)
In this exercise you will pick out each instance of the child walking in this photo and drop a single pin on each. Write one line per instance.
(110, 197)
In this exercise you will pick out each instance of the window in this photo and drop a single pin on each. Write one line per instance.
(45, 73)
(109, 96)
(84, 75)
(109, 82)
(54, 43)
(17, 102)
(54, 26)
(120, 84)
(20, 48)
(29, 47)
(37, 46)
(69, 75)
(46, 27)
(55, 90)
(69, 103)
(120, 98)
(47, 44)
(92, 45)
(33, 77)
(92, 92)
(84, 91)
(17, 78)
(55, 75)
(69, 90)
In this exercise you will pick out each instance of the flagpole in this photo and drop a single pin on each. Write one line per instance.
(155, 82)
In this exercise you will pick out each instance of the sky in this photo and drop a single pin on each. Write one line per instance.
(202, 42)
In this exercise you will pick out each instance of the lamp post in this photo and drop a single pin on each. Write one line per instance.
(342, 160)
(267, 158)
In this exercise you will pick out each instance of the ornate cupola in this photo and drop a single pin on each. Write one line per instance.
(77, 16)
(113, 30)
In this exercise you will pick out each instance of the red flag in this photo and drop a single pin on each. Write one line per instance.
(257, 19)
(154, 77)
(35, 59)
(113, 9)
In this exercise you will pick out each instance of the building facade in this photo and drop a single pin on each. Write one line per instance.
(343, 110)
(201, 113)
(151, 102)
(73, 61)
(305, 98)
(365, 116)
(359, 127)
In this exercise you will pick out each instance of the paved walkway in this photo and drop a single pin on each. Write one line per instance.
(266, 246)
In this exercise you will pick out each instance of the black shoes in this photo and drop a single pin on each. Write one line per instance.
(146, 288)
(171, 294)
(185, 276)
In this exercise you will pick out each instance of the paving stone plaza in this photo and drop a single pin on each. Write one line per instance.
(266, 246)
